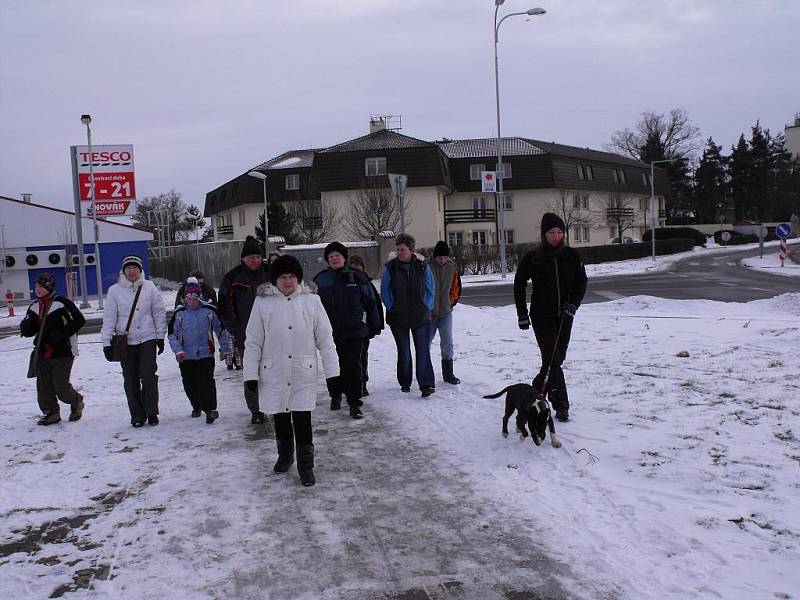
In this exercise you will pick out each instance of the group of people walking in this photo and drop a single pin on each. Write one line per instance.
(280, 326)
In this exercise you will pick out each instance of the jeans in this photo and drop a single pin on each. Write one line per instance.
(444, 325)
(422, 349)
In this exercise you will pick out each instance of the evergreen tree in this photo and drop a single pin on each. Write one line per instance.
(280, 223)
(760, 173)
(710, 185)
(740, 170)
(784, 181)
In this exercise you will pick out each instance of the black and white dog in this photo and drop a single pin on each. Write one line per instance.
(533, 409)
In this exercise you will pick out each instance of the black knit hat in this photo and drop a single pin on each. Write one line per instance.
(441, 249)
(285, 264)
(335, 247)
(47, 281)
(134, 260)
(550, 220)
(251, 246)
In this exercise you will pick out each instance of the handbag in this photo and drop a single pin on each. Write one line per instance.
(119, 341)
(33, 361)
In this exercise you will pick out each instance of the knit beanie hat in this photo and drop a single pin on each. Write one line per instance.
(193, 288)
(285, 264)
(550, 220)
(47, 281)
(335, 247)
(251, 246)
(134, 260)
(441, 249)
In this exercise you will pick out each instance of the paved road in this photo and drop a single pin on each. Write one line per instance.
(711, 277)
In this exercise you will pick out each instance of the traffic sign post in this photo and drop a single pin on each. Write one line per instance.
(725, 236)
(761, 232)
(783, 231)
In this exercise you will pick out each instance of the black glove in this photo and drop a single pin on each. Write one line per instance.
(160, 346)
(569, 309)
(251, 386)
(524, 322)
(107, 353)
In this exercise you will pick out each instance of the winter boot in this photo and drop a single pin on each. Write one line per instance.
(336, 402)
(356, 412)
(196, 412)
(427, 390)
(447, 372)
(257, 418)
(305, 464)
(285, 455)
(211, 416)
(50, 418)
(76, 411)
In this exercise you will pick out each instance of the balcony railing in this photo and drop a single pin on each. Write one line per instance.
(469, 215)
(619, 213)
(225, 232)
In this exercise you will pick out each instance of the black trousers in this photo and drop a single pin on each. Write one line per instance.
(199, 384)
(301, 432)
(141, 382)
(546, 330)
(52, 384)
(365, 361)
(349, 381)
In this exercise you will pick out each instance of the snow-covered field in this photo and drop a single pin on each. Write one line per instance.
(678, 477)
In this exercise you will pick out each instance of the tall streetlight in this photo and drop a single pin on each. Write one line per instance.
(262, 177)
(653, 218)
(86, 120)
(499, 183)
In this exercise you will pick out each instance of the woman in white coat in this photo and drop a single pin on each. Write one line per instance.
(287, 326)
(146, 334)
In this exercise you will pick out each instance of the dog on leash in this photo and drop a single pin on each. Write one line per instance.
(533, 412)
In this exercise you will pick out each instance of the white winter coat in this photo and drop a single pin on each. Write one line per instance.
(149, 319)
(280, 349)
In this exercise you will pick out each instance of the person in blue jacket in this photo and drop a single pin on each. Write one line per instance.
(407, 289)
(192, 341)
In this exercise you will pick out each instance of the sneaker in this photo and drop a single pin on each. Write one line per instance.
(257, 418)
(211, 416)
(76, 411)
(336, 403)
(196, 413)
(562, 415)
(50, 418)
(137, 424)
(356, 413)
(152, 420)
(427, 390)
(405, 388)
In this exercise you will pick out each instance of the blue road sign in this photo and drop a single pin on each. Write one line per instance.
(783, 230)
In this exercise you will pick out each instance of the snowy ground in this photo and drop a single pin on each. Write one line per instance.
(678, 477)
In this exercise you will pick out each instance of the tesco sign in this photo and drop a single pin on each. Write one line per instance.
(118, 156)
(106, 176)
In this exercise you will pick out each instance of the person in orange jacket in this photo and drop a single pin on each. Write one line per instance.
(448, 290)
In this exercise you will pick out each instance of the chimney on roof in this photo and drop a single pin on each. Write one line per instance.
(26, 198)
(376, 124)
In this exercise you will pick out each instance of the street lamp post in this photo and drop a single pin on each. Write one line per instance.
(653, 218)
(263, 178)
(499, 179)
(86, 120)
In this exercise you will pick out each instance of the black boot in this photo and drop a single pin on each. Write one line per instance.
(285, 455)
(447, 372)
(305, 464)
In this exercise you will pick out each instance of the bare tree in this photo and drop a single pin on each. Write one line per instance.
(167, 214)
(572, 207)
(658, 136)
(620, 212)
(371, 210)
(314, 221)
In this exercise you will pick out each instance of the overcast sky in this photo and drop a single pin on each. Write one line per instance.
(206, 90)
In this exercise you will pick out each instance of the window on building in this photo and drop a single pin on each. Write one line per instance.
(479, 207)
(455, 238)
(576, 201)
(507, 202)
(509, 236)
(576, 234)
(475, 171)
(614, 175)
(505, 170)
(646, 179)
(293, 181)
(479, 238)
(375, 166)
(581, 173)
(589, 172)
(242, 222)
(619, 176)
(644, 204)
(586, 235)
(585, 202)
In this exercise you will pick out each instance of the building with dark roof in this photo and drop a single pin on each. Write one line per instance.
(595, 191)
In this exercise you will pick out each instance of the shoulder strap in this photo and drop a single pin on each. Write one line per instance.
(133, 308)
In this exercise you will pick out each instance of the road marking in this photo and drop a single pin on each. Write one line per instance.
(761, 289)
(695, 264)
(728, 284)
(609, 295)
(732, 264)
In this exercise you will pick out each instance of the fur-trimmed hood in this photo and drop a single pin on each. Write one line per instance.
(267, 289)
(125, 282)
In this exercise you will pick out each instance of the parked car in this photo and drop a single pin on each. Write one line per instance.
(625, 240)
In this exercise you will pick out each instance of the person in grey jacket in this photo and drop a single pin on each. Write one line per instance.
(448, 291)
(145, 336)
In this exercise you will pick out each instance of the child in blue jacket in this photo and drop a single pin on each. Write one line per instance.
(192, 341)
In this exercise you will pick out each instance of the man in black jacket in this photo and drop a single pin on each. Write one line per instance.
(352, 310)
(237, 293)
(57, 346)
(559, 284)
